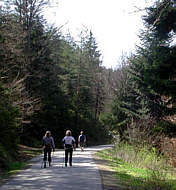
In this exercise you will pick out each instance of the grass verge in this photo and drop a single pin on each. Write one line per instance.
(140, 178)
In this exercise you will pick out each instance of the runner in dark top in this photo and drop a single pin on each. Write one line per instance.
(48, 146)
(82, 140)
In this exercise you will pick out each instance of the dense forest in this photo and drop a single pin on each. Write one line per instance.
(50, 81)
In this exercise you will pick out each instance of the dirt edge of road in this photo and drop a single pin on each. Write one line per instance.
(109, 181)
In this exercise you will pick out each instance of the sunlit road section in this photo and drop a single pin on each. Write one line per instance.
(83, 175)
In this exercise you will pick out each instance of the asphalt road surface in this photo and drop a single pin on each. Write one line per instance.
(83, 175)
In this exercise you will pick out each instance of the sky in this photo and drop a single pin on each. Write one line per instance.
(115, 24)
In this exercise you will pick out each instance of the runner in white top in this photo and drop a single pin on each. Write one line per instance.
(68, 140)
(69, 143)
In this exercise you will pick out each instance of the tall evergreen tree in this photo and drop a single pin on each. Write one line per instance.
(151, 82)
(160, 68)
(94, 67)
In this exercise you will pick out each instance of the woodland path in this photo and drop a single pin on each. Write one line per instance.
(83, 175)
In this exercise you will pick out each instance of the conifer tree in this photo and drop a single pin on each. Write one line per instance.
(159, 69)
(151, 82)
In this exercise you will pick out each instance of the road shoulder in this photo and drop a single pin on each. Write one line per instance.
(109, 181)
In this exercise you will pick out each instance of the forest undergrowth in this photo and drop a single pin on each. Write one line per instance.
(25, 153)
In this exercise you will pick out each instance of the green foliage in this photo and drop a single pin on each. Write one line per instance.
(162, 17)
(8, 129)
(9, 122)
(139, 169)
(149, 76)
(166, 127)
(15, 166)
(48, 81)
(141, 157)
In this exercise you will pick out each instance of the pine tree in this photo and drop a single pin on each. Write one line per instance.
(160, 68)
(151, 82)
(94, 67)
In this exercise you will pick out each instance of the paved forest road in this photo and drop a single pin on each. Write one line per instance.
(83, 175)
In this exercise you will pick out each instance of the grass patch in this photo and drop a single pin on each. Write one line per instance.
(141, 173)
(15, 166)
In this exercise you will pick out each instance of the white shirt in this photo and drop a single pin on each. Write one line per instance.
(68, 140)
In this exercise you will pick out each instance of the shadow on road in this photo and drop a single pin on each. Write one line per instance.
(83, 175)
